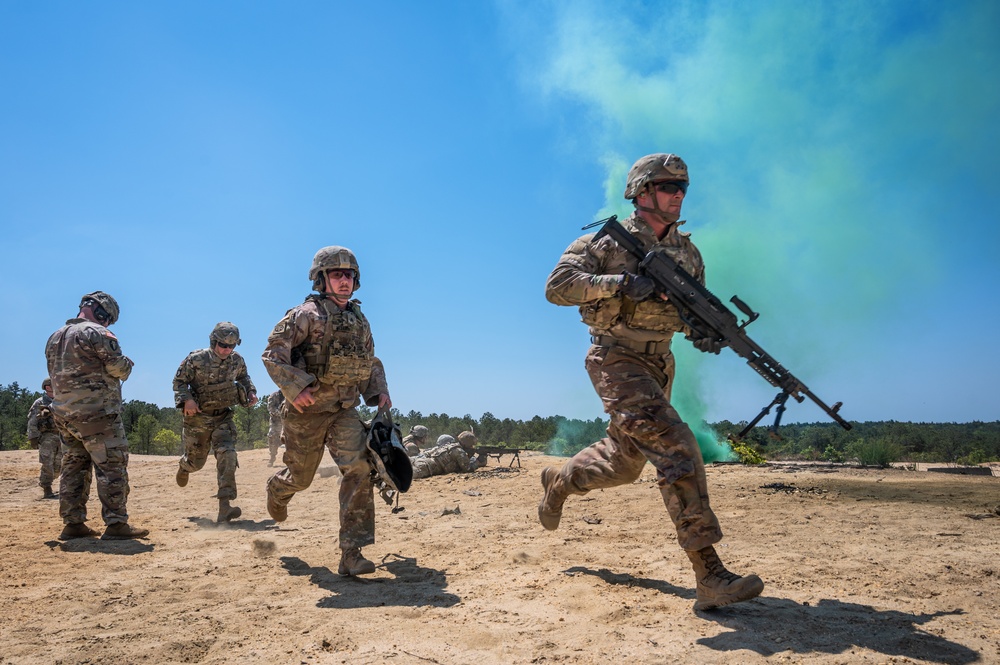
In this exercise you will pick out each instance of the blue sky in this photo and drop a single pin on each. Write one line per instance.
(190, 158)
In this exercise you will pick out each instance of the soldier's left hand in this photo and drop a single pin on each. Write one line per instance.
(707, 344)
(384, 402)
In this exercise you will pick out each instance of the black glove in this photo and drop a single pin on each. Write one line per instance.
(637, 287)
(706, 344)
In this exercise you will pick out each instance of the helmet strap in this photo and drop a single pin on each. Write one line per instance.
(341, 301)
(656, 211)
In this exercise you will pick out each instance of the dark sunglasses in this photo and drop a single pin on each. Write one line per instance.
(225, 346)
(672, 187)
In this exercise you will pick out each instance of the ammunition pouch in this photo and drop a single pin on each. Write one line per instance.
(603, 314)
(218, 396)
(242, 396)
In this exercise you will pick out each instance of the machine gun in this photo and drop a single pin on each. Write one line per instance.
(708, 317)
(498, 452)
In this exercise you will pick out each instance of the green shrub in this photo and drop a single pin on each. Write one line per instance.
(747, 455)
(878, 452)
(831, 454)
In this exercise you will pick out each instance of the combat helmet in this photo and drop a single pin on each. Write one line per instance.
(225, 332)
(468, 440)
(658, 167)
(392, 471)
(445, 438)
(46, 382)
(332, 258)
(419, 431)
(102, 303)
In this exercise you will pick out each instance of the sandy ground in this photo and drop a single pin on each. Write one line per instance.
(860, 567)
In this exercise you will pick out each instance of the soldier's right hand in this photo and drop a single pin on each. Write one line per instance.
(191, 407)
(304, 399)
(636, 287)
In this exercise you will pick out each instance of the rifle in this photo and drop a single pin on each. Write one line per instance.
(498, 452)
(708, 317)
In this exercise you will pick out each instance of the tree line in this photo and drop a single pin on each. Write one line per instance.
(153, 430)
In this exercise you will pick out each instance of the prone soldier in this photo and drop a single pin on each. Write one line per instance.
(449, 456)
(416, 439)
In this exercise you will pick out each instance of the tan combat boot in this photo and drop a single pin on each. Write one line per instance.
(182, 477)
(551, 505)
(716, 585)
(123, 531)
(47, 492)
(277, 512)
(227, 512)
(354, 563)
(79, 530)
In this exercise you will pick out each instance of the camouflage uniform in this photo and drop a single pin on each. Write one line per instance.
(449, 457)
(87, 366)
(413, 440)
(274, 403)
(318, 344)
(411, 445)
(632, 369)
(42, 429)
(211, 382)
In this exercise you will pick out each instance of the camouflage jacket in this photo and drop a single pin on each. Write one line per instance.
(86, 366)
(448, 458)
(274, 402)
(318, 344)
(40, 418)
(587, 276)
(210, 380)
(410, 443)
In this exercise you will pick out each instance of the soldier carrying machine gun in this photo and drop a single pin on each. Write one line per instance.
(708, 317)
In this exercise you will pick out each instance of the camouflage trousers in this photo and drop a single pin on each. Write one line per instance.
(203, 432)
(50, 457)
(635, 390)
(104, 453)
(274, 437)
(425, 467)
(305, 435)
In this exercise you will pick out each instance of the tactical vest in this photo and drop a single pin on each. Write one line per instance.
(341, 357)
(654, 314)
(216, 396)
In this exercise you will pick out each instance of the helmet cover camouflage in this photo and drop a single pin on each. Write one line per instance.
(332, 258)
(225, 332)
(659, 167)
(445, 438)
(109, 304)
(419, 431)
(468, 440)
(47, 383)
